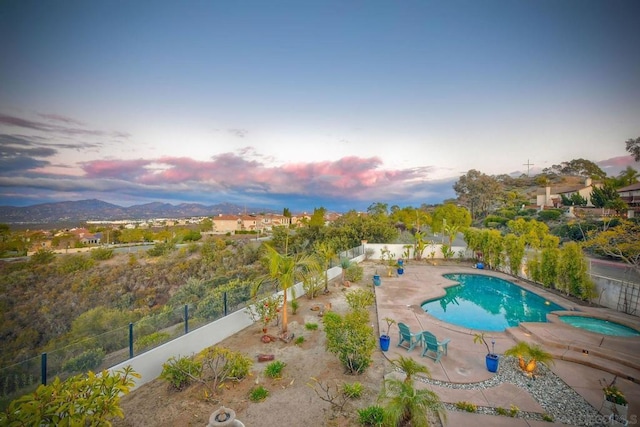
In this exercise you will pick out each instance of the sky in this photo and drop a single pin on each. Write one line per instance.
(306, 104)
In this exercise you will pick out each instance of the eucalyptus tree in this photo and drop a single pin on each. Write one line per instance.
(478, 192)
(633, 147)
(619, 242)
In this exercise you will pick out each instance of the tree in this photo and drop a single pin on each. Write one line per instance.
(573, 275)
(604, 196)
(378, 209)
(619, 242)
(326, 252)
(627, 177)
(514, 246)
(580, 167)
(477, 191)
(450, 215)
(283, 270)
(633, 147)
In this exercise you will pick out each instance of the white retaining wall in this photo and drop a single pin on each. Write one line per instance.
(609, 290)
(398, 250)
(149, 364)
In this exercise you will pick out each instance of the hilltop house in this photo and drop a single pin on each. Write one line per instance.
(551, 197)
(631, 196)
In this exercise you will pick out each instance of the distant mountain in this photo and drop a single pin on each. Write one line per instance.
(87, 210)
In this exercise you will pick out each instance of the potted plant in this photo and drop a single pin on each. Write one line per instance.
(491, 359)
(529, 355)
(400, 266)
(615, 401)
(385, 338)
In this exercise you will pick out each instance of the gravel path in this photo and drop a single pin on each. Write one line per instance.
(560, 402)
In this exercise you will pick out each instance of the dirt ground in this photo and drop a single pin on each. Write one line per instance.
(292, 400)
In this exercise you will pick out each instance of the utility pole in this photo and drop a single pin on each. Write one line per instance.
(528, 164)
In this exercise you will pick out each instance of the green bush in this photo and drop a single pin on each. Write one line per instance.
(467, 406)
(549, 214)
(352, 390)
(179, 372)
(258, 394)
(351, 339)
(161, 249)
(371, 416)
(274, 369)
(495, 219)
(360, 298)
(74, 263)
(152, 340)
(354, 273)
(101, 254)
(92, 399)
(87, 361)
(311, 326)
(299, 340)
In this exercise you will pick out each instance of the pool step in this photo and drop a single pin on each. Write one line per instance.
(611, 354)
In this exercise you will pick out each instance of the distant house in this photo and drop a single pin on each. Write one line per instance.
(551, 197)
(631, 196)
(223, 224)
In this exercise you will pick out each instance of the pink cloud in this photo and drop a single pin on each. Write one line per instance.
(349, 175)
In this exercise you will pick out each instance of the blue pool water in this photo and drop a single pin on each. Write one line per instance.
(488, 303)
(599, 326)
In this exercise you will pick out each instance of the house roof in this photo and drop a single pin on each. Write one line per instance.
(631, 187)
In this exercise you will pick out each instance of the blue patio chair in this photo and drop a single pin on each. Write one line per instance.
(431, 344)
(406, 336)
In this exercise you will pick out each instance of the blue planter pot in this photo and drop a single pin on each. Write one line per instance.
(376, 280)
(492, 361)
(400, 271)
(384, 342)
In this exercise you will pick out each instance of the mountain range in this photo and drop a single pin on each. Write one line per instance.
(97, 210)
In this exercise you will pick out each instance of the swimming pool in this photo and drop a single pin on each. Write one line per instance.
(488, 303)
(600, 326)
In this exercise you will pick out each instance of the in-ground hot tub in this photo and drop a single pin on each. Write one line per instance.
(600, 326)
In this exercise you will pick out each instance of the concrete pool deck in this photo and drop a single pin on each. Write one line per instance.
(582, 359)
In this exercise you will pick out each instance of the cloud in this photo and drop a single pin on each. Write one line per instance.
(240, 133)
(56, 128)
(615, 165)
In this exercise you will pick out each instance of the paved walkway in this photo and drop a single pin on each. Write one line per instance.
(582, 358)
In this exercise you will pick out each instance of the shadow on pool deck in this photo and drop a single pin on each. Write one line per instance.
(582, 358)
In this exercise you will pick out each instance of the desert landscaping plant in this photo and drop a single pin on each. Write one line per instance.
(529, 355)
(91, 399)
(371, 416)
(351, 339)
(274, 369)
(353, 390)
(406, 405)
(258, 394)
(221, 364)
(179, 372)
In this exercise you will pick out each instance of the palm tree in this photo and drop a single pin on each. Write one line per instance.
(345, 263)
(406, 405)
(284, 270)
(326, 252)
(410, 367)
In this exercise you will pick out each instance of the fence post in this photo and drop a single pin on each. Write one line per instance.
(186, 319)
(224, 299)
(43, 368)
(130, 340)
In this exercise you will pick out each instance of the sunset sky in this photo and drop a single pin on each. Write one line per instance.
(302, 104)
